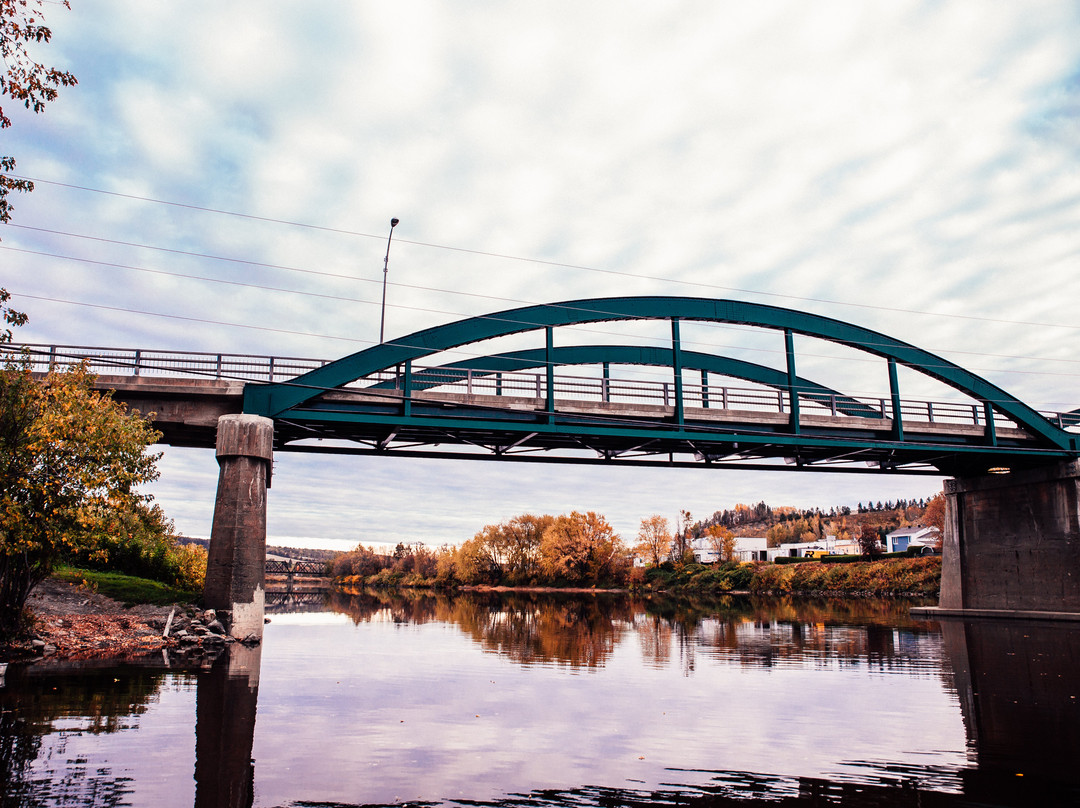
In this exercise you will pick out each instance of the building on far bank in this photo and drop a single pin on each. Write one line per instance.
(900, 540)
(747, 548)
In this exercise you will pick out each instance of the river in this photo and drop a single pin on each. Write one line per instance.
(516, 699)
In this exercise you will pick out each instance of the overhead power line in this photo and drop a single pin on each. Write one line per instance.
(368, 342)
(458, 314)
(544, 262)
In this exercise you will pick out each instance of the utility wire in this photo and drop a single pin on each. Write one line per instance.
(493, 317)
(307, 334)
(559, 264)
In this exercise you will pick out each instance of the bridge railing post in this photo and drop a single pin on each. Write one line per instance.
(138, 360)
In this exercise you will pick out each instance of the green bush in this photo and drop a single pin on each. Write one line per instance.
(842, 559)
(140, 542)
(127, 589)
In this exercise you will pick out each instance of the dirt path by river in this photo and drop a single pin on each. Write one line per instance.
(71, 622)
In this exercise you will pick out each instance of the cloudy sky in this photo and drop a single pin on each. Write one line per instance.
(913, 167)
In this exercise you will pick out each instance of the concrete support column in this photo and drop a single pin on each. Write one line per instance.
(236, 567)
(1012, 542)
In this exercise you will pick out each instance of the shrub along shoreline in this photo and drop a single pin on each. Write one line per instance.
(891, 577)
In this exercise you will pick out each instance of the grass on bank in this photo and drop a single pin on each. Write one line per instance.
(886, 577)
(127, 589)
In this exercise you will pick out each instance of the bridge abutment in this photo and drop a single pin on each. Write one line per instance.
(236, 566)
(1012, 544)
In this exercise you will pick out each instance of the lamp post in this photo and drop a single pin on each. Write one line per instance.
(385, 269)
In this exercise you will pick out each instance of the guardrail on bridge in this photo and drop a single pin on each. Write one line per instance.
(258, 368)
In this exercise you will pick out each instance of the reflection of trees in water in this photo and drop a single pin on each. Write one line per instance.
(768, 631)
(31, 705)
(527, 627)
(583, 630)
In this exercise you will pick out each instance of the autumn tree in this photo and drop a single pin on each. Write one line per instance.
(722, 542)
(868, 540)
(69, 458)
(654, 539)
(520, 539)
(680, 545)
(582, 548)
(505, 552)
(934, 515)
(24, 79)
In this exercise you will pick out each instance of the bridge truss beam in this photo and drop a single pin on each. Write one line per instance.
(327, 403)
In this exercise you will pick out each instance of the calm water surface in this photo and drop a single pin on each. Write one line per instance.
(487, 699)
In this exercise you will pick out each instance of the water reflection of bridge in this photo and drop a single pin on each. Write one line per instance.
(583, 632)
(1015, 682)
(286, 601)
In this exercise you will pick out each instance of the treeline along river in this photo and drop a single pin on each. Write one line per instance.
(513, 699)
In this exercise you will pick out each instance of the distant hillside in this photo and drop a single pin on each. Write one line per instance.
(786, 524)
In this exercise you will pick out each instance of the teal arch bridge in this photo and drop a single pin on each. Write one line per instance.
(569, 403)
(1012, 527)
(612, 403)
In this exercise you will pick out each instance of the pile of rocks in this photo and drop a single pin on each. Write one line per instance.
(201, 628)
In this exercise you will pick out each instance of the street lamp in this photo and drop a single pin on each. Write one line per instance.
(385, 269)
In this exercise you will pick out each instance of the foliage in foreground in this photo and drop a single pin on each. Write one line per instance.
(128, 589)
(142, 542)
(23, 78)
(71, 461)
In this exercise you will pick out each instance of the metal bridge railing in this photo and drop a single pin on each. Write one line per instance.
(143, 362)
(567, 387)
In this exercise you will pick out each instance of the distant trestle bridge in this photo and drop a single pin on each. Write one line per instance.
(275, 566)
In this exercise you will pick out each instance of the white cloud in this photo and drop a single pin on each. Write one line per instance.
(904, 155)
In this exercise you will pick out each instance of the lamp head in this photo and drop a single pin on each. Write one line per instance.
(393, 223)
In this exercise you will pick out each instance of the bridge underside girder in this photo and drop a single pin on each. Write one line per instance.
(380, 400)
(493, 427)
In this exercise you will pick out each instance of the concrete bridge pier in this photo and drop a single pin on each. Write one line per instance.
(236, 567)
(1012, 544)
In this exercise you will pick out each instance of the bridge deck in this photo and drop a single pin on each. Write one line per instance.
(485, 414)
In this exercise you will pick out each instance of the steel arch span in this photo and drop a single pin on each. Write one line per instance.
(381, 400)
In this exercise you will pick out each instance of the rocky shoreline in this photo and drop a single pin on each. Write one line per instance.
(73, 623)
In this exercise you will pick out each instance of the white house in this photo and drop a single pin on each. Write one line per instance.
(800, 549)
(747, 548)
(900, 540)
(751, 548)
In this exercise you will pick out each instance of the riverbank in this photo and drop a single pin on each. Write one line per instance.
(72, 622)
(892, 577)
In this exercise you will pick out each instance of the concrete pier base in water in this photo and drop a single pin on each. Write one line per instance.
(1012, 544)
(236, 567)
(226, 702)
